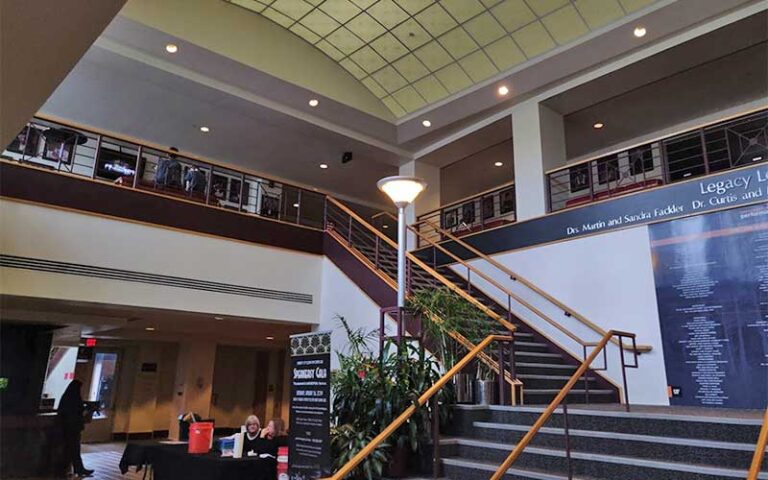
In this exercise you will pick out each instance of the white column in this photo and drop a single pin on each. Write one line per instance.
(427, 200)
(538, 138)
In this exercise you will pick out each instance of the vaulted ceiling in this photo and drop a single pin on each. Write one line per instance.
(413, 53)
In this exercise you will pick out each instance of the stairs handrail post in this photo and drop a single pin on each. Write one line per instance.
(559, 398)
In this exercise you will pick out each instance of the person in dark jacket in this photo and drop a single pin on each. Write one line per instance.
(71, 413)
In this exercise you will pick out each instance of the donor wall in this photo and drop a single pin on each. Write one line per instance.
(711, 274)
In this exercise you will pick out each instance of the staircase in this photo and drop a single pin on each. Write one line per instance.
(540, 365)
(664, 443)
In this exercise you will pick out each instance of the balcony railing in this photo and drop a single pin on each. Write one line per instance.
(730, 144)
(73, 150)
(489, 209)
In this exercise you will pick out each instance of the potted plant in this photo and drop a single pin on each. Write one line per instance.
(485, 385)
(444, 312)
(369, 392)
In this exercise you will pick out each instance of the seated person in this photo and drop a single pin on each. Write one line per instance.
(251, 438)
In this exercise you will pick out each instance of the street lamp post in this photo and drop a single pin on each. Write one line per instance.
(403, 191)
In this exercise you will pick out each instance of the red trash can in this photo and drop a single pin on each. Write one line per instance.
(200, 437)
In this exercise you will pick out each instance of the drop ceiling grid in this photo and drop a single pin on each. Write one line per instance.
(436, 47)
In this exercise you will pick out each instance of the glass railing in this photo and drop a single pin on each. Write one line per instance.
(489, 209)
(729, 144)
(66, 149)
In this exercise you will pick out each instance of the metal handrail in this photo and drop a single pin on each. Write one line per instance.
(456, 336)
(420, 402)
(762, 442)
(417, 261)
(561, 396)
(516, 277)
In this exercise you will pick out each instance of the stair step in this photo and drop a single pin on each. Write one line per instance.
(700, 423)
(473, 470)
(709, 452)
(574, 391)
(595, 464)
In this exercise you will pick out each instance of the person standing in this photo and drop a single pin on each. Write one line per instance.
(71, 413)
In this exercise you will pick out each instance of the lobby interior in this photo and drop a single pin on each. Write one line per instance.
(578, 281)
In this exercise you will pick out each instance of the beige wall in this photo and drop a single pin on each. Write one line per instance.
(477, 173)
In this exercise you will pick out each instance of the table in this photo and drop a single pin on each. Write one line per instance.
(171, 462)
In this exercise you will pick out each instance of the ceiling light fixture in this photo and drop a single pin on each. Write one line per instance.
(503, 90)
(498, 164)
(171, 48)
(640, 32)
(270, 338)
(205, 129)
(385, 226)
(426, 123)
(218, 318)
(295, 205)
(149, 329)
(598, 125)
(314, 102)
(323, 166)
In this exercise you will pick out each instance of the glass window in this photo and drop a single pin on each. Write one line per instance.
(103, 382)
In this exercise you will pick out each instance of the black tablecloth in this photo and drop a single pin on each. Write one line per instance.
(172, 462)
(139, 454)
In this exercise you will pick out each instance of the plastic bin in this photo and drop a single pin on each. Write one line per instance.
(200, 437)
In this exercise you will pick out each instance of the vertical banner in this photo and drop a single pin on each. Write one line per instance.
(310, 431)
(711, 275)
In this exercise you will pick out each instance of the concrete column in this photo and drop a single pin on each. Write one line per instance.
(194, 379)
(538, 138)
(429, 199)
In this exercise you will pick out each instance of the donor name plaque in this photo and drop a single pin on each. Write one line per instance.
(711, 275)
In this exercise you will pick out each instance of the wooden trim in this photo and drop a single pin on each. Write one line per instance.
(360, 219)
(150, 192)
(503, 186)
(554, 242)
(513, 275)
(18, 183)
(657, 139)
(421, 401)
(762, 442)
(362, 258)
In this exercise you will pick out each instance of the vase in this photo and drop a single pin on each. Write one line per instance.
(485, 392)
(463, 384)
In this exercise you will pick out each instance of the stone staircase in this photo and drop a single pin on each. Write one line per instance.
(540, 365)
(663, 443)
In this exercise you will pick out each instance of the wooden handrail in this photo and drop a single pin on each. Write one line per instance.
(513, 275)
(421, 401)
(762, 442)
(454, 288)
(360, 219)
(518, 450)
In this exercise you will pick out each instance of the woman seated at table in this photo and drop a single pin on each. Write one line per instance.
(275, 434)
(252, 437)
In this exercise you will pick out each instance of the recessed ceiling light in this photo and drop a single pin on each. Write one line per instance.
(503, 90)
(314, 102)
(218, 318)
(270, 338)
(171, 48)
(640, 32)
(598, 125)
(149, 329)
(385, 226)
(498, 164)
(205, 129)
(295, 205)
(426, 123)
(323, 165)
